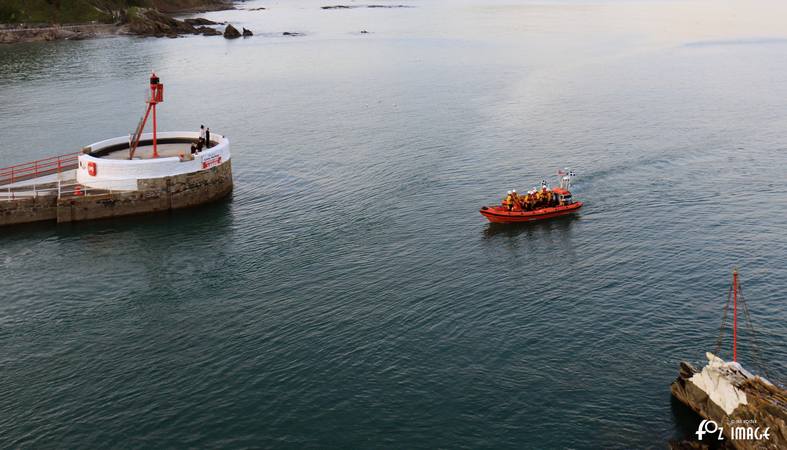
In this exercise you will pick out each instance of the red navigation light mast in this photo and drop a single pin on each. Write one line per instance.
(155, 97)
(734, 314)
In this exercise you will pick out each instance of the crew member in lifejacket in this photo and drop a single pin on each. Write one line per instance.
(508, 201)
(522, 202)
(514, 200)
(544, 196)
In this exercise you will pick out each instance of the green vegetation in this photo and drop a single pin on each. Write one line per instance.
(54, 11)
(81, 11)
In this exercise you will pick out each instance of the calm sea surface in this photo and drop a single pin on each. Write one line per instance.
(349, 295)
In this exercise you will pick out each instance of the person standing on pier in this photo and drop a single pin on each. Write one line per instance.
(207, 138)
(201, 142)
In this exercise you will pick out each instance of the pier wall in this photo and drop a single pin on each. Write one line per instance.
(157, 194)
(26, 210)
(152, 195)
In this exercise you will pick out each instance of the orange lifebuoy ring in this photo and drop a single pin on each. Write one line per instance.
(91, 169)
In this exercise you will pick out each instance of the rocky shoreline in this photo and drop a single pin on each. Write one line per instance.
(149, 22)
(134, 21)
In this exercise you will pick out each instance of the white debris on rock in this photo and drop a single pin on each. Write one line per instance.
(716, 380)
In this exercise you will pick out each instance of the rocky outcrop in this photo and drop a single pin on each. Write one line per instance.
(247, 33)
(117, 17)
(231, 32)
(94, 11)
(200, 21)
(151, 22)
(733, 398)
(208, 31)
(191, 6)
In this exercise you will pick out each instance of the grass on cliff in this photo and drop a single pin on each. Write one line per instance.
(57, 11)
(81, 11)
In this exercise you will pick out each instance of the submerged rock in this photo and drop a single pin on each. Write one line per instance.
(231, 32)
(292, 33)
(247, 33)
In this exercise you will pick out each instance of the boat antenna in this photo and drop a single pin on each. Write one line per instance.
(732, 294)
(565, 177)
(735, 315)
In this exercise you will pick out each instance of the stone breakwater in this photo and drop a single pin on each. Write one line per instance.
(152, 195)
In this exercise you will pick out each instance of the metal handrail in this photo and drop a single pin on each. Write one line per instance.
(41, 167)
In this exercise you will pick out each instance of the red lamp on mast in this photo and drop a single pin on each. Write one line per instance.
(155, 96)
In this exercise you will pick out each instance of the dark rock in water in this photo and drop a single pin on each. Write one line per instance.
(364, 32)
(339, 7)
(292, 33)
(388, 6)
(247, 33)
(257, 9)
(231, 32)
(208, 31)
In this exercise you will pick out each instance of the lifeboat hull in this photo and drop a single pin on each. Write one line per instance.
(498, 214)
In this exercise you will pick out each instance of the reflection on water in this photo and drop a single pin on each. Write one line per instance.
(531, 229)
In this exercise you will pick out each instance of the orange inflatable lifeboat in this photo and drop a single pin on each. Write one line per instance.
(546, 203)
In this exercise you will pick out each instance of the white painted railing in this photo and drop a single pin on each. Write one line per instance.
(60, 189)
